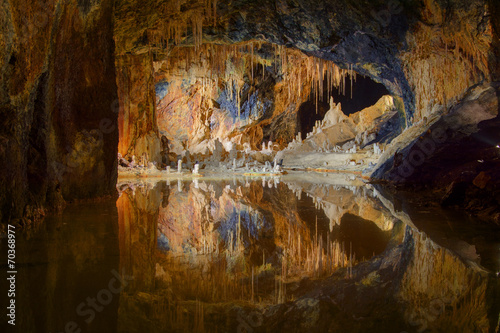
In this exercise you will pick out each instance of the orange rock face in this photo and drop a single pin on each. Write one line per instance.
(137, 108)
(245, 93)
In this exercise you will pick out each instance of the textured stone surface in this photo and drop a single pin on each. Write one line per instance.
(57, 86)
(450, 153)
(415, 49)
(137, 120)
(429, 55)
(243, 94)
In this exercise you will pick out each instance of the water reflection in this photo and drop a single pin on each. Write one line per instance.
(245, 240)
(293, 255)
(301, 253)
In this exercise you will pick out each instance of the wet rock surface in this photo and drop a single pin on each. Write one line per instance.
(457, 156)
(57, 88)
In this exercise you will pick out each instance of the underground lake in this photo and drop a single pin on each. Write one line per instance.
(299, 252)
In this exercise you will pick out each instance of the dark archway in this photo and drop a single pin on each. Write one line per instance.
(365, 93)
(308, 114)
(364, 236)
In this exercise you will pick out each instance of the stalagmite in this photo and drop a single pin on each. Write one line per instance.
(196, 168)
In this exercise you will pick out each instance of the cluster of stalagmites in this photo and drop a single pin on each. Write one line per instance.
(359, 150)
(238, 161)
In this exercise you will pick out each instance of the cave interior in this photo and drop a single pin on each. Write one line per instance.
(397, 101)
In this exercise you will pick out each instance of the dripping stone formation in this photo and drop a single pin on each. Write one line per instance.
(258, 165)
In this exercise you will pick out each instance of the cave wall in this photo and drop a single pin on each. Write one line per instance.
(57, 87)
(246, 93)
(240, 94)
(452, 147)
(443, 58)
(137, 120)
(456, 155)
(428, 53)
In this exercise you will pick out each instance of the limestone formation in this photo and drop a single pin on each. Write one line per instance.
(187, 74)
(196, 168)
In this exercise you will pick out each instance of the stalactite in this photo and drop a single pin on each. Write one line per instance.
(238, 100)
(231, 64)
(351, 75)
(321, 78)
(251, 58)
(214, 4)
(197, 21)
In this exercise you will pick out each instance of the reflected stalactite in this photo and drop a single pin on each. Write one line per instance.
(220, 242)
(217, 246)
(443, 292)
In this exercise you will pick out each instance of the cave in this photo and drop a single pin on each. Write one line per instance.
(365, 239)
(220, 166)
(309, 113)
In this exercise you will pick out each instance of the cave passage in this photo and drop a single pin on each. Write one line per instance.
(364, 93)
(364, 237)
(309, 113)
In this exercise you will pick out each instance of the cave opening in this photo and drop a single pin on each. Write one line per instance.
(364, 93)
(360, 93)
(361, 237)
(309, 113)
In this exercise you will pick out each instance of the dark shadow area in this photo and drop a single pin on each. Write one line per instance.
(365, 93)
(308, 114)
(67, 266)
(366, 238)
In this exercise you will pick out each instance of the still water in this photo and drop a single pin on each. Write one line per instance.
(289, 254)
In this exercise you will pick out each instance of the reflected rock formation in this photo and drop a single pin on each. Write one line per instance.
(267, 255)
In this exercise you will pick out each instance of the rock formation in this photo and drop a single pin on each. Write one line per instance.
(57, 97)
(204, 70)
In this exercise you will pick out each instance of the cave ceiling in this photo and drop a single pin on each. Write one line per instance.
(367, 35)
